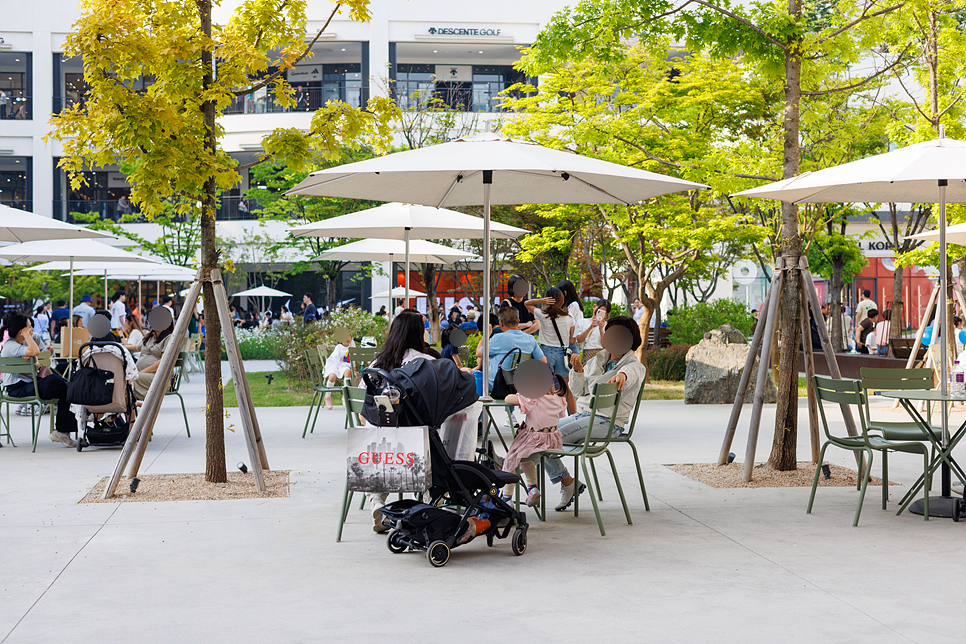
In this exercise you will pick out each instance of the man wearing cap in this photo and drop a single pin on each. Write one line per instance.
(84, 310)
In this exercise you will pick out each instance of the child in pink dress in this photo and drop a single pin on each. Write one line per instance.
(537, 433)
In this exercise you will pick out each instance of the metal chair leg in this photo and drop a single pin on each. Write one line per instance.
(184, 412)
(311, 405)
(593, 471)
(865, 485)
(818, 468)
(640, 476)
(593, 498)
(885, 478)
(620, 489)
(318, 408)
(346, 500)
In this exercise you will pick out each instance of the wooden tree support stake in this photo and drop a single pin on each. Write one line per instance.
(807, 315)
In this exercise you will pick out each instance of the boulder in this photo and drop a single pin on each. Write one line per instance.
(714, 368)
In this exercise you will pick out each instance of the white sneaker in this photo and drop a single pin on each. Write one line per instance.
(60, 437)
(22, 410)
(567, 495)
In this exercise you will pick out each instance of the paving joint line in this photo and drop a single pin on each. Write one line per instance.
(62, 570)
(794, 574)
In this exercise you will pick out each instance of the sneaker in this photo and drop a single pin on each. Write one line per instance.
(379, 524)
(533, 496)
(328, 401)
(567, 495)
(60, 437)
(23, 410)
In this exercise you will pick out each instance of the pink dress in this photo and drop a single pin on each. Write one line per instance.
(539, 432)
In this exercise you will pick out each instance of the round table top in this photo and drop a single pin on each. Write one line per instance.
(932, 395)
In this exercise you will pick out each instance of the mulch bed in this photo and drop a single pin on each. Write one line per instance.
(159, 488)
(729, 476)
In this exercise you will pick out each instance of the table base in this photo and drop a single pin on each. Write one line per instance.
(940, 507)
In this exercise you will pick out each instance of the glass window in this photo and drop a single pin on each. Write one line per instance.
(14, 85)
(14, 182)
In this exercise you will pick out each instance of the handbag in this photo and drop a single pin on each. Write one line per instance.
(503, 380)
(90, 386)
(566, 347)
(389, 459)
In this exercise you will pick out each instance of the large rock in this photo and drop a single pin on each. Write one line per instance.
(714, 368)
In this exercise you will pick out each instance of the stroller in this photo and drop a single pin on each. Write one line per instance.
(110, 424)
(464, 501)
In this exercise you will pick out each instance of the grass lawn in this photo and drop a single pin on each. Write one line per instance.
(281, 393)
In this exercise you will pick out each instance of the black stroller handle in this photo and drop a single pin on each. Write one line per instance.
(99, 343)
(382, 373)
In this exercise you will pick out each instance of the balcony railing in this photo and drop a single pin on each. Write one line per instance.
(229, 209)
(17, 107)
(307, 99)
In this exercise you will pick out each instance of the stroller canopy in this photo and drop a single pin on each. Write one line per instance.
(430, 391)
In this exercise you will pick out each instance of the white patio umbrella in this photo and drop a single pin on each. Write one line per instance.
(489, 169)
(73, 249)
(406, 221)
(388, 250)
(21, 226)
(262, 291)
(928, 172)
(400, 292)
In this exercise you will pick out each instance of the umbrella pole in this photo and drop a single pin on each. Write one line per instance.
(105, 288)
(941, 323)
(406, 234)
(392, 281)
(487, 183)
(70, 325)
(140, 301)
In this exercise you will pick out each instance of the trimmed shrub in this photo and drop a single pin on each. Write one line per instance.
(688, 324)
(669, 363)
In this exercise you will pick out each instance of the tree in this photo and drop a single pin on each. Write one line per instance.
(170, 131)
(811, 53)
(639, 108)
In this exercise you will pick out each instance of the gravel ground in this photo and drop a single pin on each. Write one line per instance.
(192, 487)
(728, 476)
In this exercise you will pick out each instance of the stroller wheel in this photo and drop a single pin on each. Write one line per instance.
(519, 543)
(395, 543)
(438, 554)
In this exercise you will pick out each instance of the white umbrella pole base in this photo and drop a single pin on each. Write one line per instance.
(940, 507)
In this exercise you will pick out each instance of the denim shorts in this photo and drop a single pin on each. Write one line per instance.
(557, 359)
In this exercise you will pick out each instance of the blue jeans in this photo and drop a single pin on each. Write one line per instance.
(556, 359)
(573, 428)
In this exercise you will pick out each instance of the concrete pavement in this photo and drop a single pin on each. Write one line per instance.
(745, 565)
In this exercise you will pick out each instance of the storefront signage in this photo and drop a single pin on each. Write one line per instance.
(875, 245)
(117, 180)
(464, 31)
(304, 73)
(454, 73)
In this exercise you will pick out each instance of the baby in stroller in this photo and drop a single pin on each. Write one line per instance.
(463, 499)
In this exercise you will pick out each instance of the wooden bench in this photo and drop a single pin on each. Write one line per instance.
(902, 349)
(663, 338)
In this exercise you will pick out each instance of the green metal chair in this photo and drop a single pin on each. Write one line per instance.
(850, 392)
(874, 379)
(604, 396)
(26, 367)
(359, 359)
(175, 388)
(196, 352)
(626, 438)
(316, 372)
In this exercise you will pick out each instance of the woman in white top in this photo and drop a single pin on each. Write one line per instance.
(134, 335)
(556, 335)
(882, 331)
(286, 315)
(590, 333)
(575, 309)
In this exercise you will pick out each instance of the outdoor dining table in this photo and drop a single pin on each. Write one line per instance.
(945, 505)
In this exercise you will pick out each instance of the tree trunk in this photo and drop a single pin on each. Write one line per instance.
(215, 468)
(783, 453)
(432, 306)
(331, 292)
(838, 342)
(895, 323)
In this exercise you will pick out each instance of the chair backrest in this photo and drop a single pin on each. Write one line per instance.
(178, 373)
(360, 357)
(844, 392)
(629, 430)
(604, 395)
(464, 354)
(352, 399)
(875, 379)
(109, 362)
(314, 364)
(25, 367)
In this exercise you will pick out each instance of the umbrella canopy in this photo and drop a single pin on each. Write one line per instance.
(451, 174)
(262, 291)
(927, 172)
(392, 220)
(906, 175)
(388, 250)
(955, 234)
(21, 226)
(400, 292)
(489, 169)
(74, 249)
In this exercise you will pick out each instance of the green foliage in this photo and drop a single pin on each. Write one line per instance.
(253, 345)
(290, 341)
(689, 323)
(472, 342)
(669, 363)
(282, 392)
(616, 309)
(21, 284)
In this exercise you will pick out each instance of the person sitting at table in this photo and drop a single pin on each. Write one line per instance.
(865, 331)
(22, 343)
(617, 363)
(510, 338)
(152, 350)
(134, 335)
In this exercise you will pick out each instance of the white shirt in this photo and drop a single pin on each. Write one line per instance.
(118, 312)
(547, 336)
(135, 338)
(638, 312)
